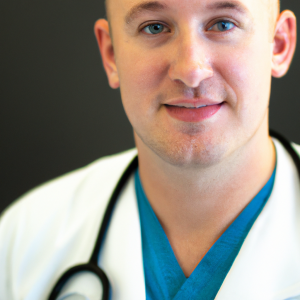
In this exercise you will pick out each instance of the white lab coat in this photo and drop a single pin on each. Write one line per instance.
(55, 227)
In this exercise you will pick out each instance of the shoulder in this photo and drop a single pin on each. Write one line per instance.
(61, 213)
(103, 170)
(59, 193)
(279, 145)
(65, 197)
(296, 148)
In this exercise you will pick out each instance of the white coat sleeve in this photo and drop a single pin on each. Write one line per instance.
(8, 228)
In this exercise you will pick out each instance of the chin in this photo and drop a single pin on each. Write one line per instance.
(190, 152)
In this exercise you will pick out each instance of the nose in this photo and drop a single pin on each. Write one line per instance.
(189, 62)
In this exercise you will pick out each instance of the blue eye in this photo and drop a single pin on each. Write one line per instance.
(154, 28)
(223, 26)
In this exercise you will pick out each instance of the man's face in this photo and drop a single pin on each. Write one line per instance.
(174, 55)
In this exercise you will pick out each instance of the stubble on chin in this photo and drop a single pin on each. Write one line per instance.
(189, 149)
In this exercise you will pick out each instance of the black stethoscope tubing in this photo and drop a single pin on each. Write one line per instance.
(287, 145)
(92, 265)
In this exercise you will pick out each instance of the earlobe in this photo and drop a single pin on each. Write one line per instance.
(284, 43)
(104, 41)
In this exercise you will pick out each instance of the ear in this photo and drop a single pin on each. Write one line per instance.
(284, 43)
(104, 40)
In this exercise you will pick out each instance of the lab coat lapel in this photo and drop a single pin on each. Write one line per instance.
(268, 264)
(121, 257)
(266, 268)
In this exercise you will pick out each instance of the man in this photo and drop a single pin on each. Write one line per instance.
(217, 199)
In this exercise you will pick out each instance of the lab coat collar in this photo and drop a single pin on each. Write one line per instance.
(266, 268)
(121, 257)
(268, 264)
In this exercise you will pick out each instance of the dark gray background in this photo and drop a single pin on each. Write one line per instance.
(57, 110)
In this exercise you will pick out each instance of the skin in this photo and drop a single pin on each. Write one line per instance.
(194, 173)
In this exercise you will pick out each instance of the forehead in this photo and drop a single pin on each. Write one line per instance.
(130, 7)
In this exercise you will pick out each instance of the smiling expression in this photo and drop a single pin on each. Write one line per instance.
(194, 75)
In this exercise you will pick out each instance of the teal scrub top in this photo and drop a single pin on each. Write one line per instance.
(164, 278)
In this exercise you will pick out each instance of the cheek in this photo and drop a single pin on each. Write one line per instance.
(247, 74)
(138, 66)
(142, 74)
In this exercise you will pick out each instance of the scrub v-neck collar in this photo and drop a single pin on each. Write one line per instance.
(164, 278)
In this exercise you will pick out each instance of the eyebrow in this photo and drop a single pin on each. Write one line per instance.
(228, 5)
(136, 10)
(145, 6)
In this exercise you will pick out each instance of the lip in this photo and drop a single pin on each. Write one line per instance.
(192, 103)
(184, 111)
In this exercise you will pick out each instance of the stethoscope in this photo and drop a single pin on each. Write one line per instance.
(92, 265)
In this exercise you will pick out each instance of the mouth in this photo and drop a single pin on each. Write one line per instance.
(190, 112)
(189, 107)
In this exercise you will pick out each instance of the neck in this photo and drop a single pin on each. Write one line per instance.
(193, 203)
